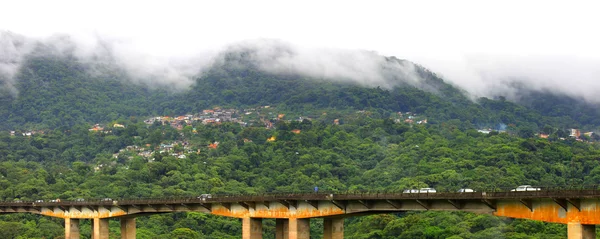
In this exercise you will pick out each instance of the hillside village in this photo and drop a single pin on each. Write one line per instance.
(263, 116)
(266, 116)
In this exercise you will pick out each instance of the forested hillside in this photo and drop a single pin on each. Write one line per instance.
(61, 90)
(352, 141)
(363, 154)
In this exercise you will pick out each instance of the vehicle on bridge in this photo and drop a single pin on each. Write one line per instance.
(204, 196)
(524, 188)
(422, 190)
(575, 208)
(466, 190)
(427, 190)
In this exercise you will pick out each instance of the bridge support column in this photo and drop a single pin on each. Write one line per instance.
(72, 228)
(576, 230)
(251, 228)
(127, 228)
(298, 228)
(333, 228)
(281, 228)
(100, 228)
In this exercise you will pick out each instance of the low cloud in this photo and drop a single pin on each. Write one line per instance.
(505, 75)
(480, 75)
(172, 71)
(102, 54)
(366, 68)
(13, 48)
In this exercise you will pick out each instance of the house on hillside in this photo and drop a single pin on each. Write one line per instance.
(574, 133)
(268, 124)
(96, 128)
(145, 154)
(214, 145)
(166, 147)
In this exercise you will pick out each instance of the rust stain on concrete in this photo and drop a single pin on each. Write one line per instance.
(83, 214)
(549, 211)
(276, 212)
(232, 212)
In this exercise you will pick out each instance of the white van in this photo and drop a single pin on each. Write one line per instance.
(524, 188)
(427, 190)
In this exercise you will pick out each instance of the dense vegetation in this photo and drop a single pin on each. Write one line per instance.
(62, 91)
(362, 154)
(368, 151)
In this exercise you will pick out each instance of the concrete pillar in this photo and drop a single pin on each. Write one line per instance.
(72, 228)
(576, 230)
(100, 228)
(299, 228)
(252, 228)
(589, 231)
(281, 228)
(92, 228)
(127, 228)
(333, 228)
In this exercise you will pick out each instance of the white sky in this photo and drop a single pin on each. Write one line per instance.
(469, 42)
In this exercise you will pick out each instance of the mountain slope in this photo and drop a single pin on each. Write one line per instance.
(57, 90)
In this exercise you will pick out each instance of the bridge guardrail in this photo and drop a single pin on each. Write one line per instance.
(586, 191)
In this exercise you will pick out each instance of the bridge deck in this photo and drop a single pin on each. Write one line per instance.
(547, 194)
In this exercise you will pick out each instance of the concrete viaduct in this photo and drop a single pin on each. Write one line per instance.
(579, 209)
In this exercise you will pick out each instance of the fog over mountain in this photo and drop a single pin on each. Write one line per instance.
(358, 66)
(480, 75)
(506, 75)
(98, 53)
(12, 50)
(489, 49)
